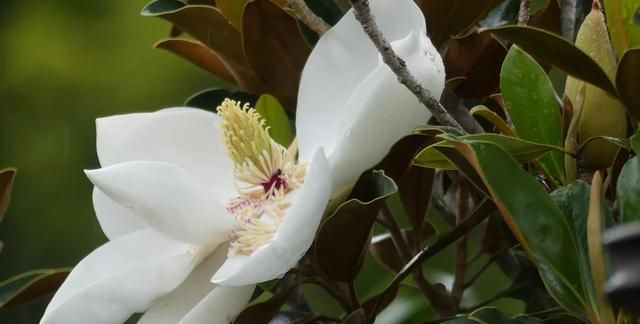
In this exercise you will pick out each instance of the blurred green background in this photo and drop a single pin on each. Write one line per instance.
(62, 64)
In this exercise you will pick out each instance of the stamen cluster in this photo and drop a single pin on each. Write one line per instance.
(264, 172)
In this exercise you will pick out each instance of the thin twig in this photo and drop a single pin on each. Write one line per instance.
(568, 19)
(315, 22)
(525, 12)
(363, 14)
(460, 271)
(438, 299)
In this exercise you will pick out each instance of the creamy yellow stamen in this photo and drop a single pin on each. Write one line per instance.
(264, 172)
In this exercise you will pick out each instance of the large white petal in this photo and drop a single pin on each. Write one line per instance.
(185, 137)
(120, 278)
(341, 59)
(220, 306)
(174, 306)
(381, 110)
(168, 198)
(293, 237)
(115, 220)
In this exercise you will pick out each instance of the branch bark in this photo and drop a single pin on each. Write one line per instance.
(525, 12)
(363, 14)
(568, 19)
(304, 13)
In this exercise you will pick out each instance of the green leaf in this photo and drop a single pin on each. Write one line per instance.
(263, 312)
(628, 191)
(522, 150)
(493, 118)
(7, 177)
(622, 21)
(279, 128)
(533, 218)
(30, 285)
(530, 100)
(343, 238)
(573, 200)
(491, 315)
(627, 76)
(557, 51)
(210, 99)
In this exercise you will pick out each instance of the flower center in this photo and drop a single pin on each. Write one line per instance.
(264, 172)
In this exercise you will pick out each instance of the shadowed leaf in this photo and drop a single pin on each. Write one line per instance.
(30, 285)
(197, 54)
(356, 317)
(232, 9)
(557, 51)
(276, 119)
(478, 58)
(274, 48)
(627, 78)
(343, 238)
(7, 177)
(415, 189)
(548, 18)
(265, 311)
(530, 100)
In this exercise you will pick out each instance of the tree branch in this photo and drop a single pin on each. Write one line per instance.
(568, 19)
(523, 15)
(363, 14)
(315, 22)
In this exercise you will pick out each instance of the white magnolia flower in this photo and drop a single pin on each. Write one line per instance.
(168, 197)
(351, 104)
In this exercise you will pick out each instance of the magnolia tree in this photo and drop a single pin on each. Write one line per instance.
(366, 136)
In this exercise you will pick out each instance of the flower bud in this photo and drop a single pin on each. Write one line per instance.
(600, 114)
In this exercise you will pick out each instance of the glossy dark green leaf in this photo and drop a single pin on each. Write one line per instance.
(197, 54)
(276, 119)
(328, 10)
(7, 177)
(30, 285)
(210, 99)
(627, 77)
(573, 200)
(491, 315)
(628, 191)
(274, 49)
(521, 149)
(530, 100)
(343, 238)
(534, 219)
(557, 51)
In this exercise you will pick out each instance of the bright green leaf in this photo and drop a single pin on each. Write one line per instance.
(530, 100)
(557, 51)
(272, 111)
